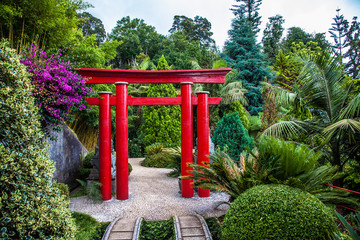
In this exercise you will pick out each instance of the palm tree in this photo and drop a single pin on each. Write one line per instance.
(321, 89)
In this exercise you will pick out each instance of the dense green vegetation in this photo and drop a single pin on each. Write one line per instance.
(157, 230)
(295, 93)
(32, 204)
(88, 227)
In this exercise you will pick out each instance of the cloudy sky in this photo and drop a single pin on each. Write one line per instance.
(311, 15)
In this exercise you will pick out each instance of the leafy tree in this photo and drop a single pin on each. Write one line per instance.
(184, 54)
(243, 53)
(91, 25)
(31, 202)
(198, 29)
(335, 116)
(231, 134)
(137, 37)
(297, 35)
(272, 35)
(162, 124)
(47, 22)
(338, 33)
(83, 51)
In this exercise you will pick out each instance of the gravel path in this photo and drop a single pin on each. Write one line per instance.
(152, 195)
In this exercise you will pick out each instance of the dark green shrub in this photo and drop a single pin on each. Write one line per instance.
(277, 212)
(84, 173)
(158, 160)
(87, 159)
(135, 150)
(31, 204)
(214, 227)
(231, 134)
(157, 230)
(88, 227)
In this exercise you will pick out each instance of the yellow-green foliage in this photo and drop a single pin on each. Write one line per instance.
(277, 212)
(31, 204)
(161, 123)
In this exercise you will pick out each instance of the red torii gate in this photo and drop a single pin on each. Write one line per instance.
(122, 78)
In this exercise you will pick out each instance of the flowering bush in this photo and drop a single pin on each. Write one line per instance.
(57, 89)
(32, 204)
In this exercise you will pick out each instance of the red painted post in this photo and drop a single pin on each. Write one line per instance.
(186, 139)
(203, 134)
(105, 145)
(122, 170)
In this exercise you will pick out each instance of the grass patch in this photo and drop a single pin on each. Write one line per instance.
(88, 228)
(157, 230)
(214, 227)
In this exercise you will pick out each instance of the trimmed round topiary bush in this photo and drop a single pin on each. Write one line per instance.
(277, 212)
(31, 204)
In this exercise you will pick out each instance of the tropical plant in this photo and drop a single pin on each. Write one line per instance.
(175, 152)
(354, 229)
(272, 161)
(278, 212)
(335, 116)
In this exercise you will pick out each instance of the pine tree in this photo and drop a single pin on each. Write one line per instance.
(243, 53)
(338, 33)
(162, 124)
(272, 35)
(353, 52)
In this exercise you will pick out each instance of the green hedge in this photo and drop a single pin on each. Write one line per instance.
(277, 212)
(157, 230)
(31, 204)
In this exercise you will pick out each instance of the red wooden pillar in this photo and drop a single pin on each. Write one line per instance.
(186, 138)
(203, 133)
(122, 170)
(105, 145)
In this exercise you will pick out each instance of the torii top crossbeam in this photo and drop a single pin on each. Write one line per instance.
(148, 76)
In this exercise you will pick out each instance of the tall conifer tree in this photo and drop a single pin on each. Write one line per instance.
(243, 53)
(161, 123)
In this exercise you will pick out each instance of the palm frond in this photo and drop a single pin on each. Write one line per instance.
(285, 129)
(345, 127)
(352, 110)
(282, 96)
(234, 91)
(321, 87)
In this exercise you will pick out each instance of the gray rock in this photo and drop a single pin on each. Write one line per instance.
(66, 152)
